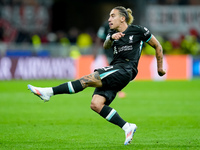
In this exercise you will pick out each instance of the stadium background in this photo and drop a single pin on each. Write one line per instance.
(54, 30)
(49, 42)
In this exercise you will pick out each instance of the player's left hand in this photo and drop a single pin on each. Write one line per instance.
(161, 72)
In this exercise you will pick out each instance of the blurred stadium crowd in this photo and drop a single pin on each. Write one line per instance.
(28, 25)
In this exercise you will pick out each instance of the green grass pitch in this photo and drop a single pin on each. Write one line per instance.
(167, 115)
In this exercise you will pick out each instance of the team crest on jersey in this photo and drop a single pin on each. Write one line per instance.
(131, 39)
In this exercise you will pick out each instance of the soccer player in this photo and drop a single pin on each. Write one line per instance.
(126, 41)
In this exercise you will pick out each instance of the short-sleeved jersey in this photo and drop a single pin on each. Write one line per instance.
(128, 48)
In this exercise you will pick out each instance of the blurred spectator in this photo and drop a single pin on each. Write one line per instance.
(23, 37)
(84, 41)
(20, 19)
(8, 32)
(185, 44)
(36, 41)
(190, 45)
(1, 33)
(62, 38)
(74, 52)
(43, 38)
(73, 34)
(52, 37)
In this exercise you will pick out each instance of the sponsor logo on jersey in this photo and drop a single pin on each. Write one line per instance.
(122, 49)
(147, 31)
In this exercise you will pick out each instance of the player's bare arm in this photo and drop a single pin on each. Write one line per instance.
(159, 54)
(108, 42)
(91, 80)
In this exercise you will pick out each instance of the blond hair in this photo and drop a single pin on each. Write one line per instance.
(127, 13)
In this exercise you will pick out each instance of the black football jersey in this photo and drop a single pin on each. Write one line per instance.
(128, 48)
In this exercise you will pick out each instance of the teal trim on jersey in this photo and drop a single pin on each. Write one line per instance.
(103, 75)
(141, 43)
(149, 38)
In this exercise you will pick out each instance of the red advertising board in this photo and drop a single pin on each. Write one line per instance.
(178, 67)
(86, 64)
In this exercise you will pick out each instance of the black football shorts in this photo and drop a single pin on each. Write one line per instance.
(114, 78)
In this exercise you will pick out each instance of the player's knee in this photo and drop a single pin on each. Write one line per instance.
(94, 106)
(97, 103)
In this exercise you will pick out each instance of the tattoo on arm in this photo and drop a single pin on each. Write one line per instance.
(107, 44)
(159, 52)
(159, 57)
(96, 76)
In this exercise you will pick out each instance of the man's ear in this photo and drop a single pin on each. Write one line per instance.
(122, 19)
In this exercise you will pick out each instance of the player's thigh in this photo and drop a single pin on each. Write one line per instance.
(91, 80)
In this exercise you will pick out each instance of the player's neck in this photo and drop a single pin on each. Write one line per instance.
(122, 27)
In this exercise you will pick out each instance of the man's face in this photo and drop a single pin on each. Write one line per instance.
(114, 19)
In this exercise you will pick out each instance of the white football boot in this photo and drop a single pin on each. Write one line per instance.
(129, 133)
(43, 93)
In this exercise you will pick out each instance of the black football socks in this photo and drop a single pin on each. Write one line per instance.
(68, 88)
(112, 116)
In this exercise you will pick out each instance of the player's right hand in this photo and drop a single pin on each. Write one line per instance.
(118, 35)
